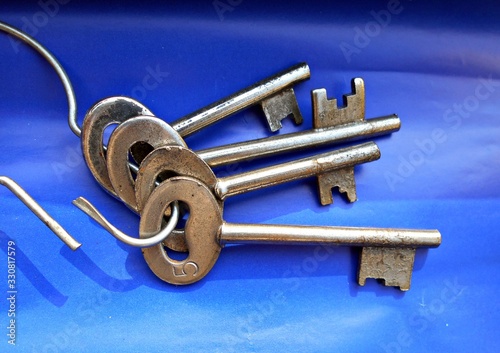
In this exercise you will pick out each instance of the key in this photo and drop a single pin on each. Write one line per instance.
(387, 254)
(275, 95)
(331, 125)
(178, 160)
(138, 130)
(276, 90)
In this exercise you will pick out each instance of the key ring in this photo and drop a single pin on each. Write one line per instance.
(84, 205)
(73, 124)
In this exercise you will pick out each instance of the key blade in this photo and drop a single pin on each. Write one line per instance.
(343, 179)
(393, 265)
(327, 113)
(279, 106)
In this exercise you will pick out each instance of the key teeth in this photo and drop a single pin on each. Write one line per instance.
(280, 106)
(327, 113)
(393, 266)
(343, 179)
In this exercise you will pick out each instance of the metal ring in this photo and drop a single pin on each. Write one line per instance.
(84, 205)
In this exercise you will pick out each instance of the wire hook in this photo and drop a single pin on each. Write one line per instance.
(40, 212)
(73, 124)
(84, 205)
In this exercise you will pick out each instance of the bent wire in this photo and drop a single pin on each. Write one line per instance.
(91, 211)
(40, 212)
(68, 88)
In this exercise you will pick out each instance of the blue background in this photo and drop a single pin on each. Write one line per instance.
(427, 63)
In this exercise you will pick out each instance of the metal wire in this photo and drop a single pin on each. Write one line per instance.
(40, 212)
(90, 210)
(68, 88)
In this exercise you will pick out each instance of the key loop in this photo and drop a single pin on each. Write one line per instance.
(15, 188)
(84, 205)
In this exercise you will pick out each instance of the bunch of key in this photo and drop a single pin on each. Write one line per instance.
(148, 165)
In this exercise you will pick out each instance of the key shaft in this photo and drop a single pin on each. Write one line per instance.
(233, 233)
(297, 169)
(247, 97)
(243, 151)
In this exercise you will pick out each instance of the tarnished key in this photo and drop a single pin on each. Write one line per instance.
(275, 91)
(387, 254)
(140, 129)
(180, 161)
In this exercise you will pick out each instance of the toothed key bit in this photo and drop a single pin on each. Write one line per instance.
(327, 114)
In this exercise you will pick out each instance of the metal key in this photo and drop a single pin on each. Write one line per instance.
(275, 91)
(332, 125)
(180, 161)
(387, 254)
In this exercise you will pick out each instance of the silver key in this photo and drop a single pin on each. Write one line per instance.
(177, 160)
(275, 94)
(387, 254)
(275, 90)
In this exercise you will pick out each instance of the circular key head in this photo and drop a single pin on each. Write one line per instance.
(201, 230)
(172, 161)
(142, 129)
(109, 111)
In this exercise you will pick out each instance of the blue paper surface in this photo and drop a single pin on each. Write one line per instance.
(437, 66)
